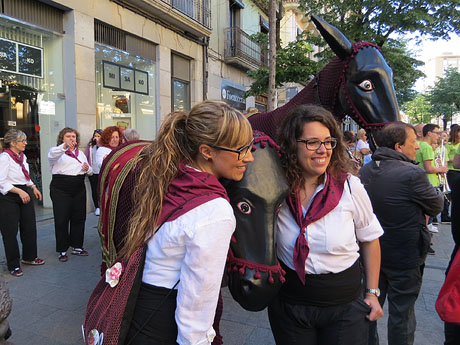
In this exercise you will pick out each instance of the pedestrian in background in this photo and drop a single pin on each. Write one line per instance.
(426, 160)
(111, 138)
(90, 154)
(68, 193)
(131, 134)
(16, 206)
(362, 146)
(401, 195)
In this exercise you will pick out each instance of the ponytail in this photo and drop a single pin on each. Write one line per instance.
(179, 139)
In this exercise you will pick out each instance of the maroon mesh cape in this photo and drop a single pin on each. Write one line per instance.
(109, 311)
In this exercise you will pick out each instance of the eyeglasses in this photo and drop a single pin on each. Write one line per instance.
(22, 141)
(242, 152)
(315, 144)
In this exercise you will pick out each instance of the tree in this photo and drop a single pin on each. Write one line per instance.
(418, 109)
(377, 21)
(445, 95)
(273, 5)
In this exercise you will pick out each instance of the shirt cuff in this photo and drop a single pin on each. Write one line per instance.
(6, 188)
(210, 335)
(371, 232)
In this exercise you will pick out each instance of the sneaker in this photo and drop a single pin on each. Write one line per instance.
(17, 272)
(431, 251)
(63, 257)
(435, 221)
(432, 228)
(97, 212)
(35, 261)
(446, 220)
(79, 251)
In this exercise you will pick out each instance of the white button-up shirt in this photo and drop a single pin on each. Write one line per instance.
(62, 164)
(11, 173)
(101, 153)
(192, 248)
(332, 239)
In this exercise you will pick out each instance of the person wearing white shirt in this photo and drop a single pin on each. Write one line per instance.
(178, 190)
(324, 229)
(16, 207)
(68, 193)
(111, 138)
(90, 153)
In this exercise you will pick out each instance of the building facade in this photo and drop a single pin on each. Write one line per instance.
(90, 64)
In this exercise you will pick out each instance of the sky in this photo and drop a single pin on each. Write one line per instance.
(429, 49)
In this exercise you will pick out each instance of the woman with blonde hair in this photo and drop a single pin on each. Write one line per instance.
(183, 215)
(362, 146)
(16, 207)
(68, 193)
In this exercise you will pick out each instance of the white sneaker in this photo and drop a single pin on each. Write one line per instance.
(97, 212)
(432, 228)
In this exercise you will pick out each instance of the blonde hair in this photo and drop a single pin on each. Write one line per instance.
(180, 136)
(361, 133)
(10, 137)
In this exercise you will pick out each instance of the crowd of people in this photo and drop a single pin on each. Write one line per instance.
(353, 233)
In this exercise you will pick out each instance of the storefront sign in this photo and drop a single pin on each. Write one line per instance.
(47, 108)
(20, 58)
(233, 95)
(118, 77)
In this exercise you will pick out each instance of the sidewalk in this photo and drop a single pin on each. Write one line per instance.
(49, 301)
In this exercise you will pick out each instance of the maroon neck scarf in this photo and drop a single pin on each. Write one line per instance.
(195, 186)
(323, 203)
(73, 155)
(19, 158)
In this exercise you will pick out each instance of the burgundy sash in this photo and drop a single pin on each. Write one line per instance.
(20, 160)
(73, 155)
(323, 203)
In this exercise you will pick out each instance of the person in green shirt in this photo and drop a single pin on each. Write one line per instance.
(426, 159)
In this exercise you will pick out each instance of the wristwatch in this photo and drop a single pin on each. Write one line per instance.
(375, 292)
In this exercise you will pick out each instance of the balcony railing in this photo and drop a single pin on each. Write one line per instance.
(241, 50)
(198, 10)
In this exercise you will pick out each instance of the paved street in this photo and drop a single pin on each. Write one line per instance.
(49, 301)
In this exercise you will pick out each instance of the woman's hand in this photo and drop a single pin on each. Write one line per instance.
(25, 197)
(376, 309)
(85, 167)
(37, 193)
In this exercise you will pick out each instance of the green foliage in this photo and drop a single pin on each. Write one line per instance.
(375, 20)
(445, 95)
(418, 109)
(292, 65)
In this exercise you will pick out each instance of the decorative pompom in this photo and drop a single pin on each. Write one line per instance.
(282, 279)
(271, 280)
(242, 270)
(235, 268)
(257, 275)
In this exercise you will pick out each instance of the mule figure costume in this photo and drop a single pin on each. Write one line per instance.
(358, 83)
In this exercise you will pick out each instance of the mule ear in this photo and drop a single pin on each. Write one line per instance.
(339, 44)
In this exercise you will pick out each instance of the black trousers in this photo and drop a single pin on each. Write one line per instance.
(68, 194)
(402, 287)
(93, 180)
(297, 324)
(153, 322)
(15, 215)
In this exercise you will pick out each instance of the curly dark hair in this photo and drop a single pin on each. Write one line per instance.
(291, 129)
(60, 137)
(106, 135)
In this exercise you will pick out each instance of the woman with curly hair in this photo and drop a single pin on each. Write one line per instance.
(16, 207)
(111, 138)
(68, 193)
(324, 227)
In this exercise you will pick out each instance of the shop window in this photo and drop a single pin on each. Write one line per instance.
(125, 90)
(180, 83)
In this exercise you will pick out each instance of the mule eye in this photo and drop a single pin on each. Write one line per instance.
(244, 207)
(366, 85)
